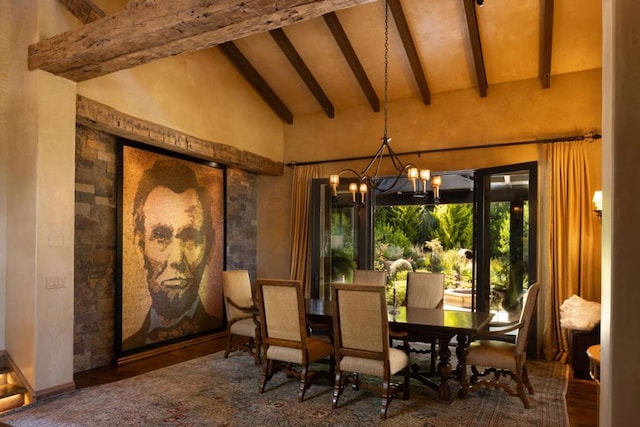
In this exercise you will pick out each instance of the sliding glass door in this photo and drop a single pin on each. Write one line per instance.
(341, 236)
(506, 211)
(480, 234)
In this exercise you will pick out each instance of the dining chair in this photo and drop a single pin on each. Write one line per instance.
(425, 290)
(284, 334)
(502, 358)
(370, 277)
(361, 341)
(243, 326)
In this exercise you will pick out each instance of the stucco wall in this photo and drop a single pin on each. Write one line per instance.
(197, 93)
(21, 212)
(4, 117)
(39, 238)
(621, 234)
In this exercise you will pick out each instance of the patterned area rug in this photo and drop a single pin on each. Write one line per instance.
(213, 391)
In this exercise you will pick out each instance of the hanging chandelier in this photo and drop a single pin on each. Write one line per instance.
(369, 178)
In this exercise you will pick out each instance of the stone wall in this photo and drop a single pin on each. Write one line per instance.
(242, 227)
(95, 242)
(95, 249)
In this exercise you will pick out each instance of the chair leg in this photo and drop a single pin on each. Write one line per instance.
(521, 394)
(228, 349)
(525, 379)
(256, 350)
(385, 398)
(303, 383)
(267, 373)
(407, 382)
(356, 382)
(257, 344)
(338, 388)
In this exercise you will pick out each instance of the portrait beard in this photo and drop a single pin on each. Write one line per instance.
(170, 300)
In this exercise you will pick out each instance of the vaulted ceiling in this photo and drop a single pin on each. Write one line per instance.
(305, 57)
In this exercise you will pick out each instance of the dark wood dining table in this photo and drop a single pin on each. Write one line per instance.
(441, 324)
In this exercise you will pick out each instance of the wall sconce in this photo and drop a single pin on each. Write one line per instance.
(597, 203)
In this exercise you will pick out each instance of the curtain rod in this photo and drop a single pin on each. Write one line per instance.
(588, 136)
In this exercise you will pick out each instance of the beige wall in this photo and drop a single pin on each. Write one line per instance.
(198, 93)
(519, 111)
(54, 233)
(621, 231)
(511, 112)
(21, 188)
(40, 192)
(4, 120)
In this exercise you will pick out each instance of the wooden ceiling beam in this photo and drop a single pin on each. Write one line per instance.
(476, 46)
(152, 30)
(410, 49)
(254, 78)
(303, 71)
(85, 10)
(546, 41)
(332, 21)
(107, 119)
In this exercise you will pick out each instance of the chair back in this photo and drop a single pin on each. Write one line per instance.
(526, 317)
(282, 312)
(236, 286)
(370, 277)
(360, 321)
(425, 290)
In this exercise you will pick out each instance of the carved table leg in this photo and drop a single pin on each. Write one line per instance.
(461, 352)
(444, 370)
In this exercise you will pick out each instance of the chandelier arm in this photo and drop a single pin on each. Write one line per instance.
(397, 163)
(378, 156)
(351, 171)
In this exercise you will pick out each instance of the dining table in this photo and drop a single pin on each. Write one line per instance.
(443, 325)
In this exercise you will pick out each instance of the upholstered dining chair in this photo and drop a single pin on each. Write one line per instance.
(370, 277)
(425, 290)
(243, 326)
(502, 358)
(361, 341)
(284, 334)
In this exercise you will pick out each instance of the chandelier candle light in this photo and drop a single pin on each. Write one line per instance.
(372, 181)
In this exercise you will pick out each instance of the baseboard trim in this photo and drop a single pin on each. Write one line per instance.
(120, 361)
(53, 391)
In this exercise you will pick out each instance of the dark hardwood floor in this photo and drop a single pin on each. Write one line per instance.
(582, 403)
(581, 394)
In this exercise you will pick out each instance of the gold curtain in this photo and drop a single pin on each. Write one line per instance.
(300, 268)
(567, 241)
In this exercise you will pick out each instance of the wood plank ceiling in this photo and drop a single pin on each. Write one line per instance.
(308, 56)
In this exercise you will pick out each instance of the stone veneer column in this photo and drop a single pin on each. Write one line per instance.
(95, 249)
(242, 227)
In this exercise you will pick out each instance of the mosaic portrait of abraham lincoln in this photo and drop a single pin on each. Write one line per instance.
(172, 239)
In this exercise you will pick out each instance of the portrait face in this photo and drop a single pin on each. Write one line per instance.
(174, 249)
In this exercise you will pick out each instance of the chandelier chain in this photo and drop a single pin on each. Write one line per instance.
(386, 70)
